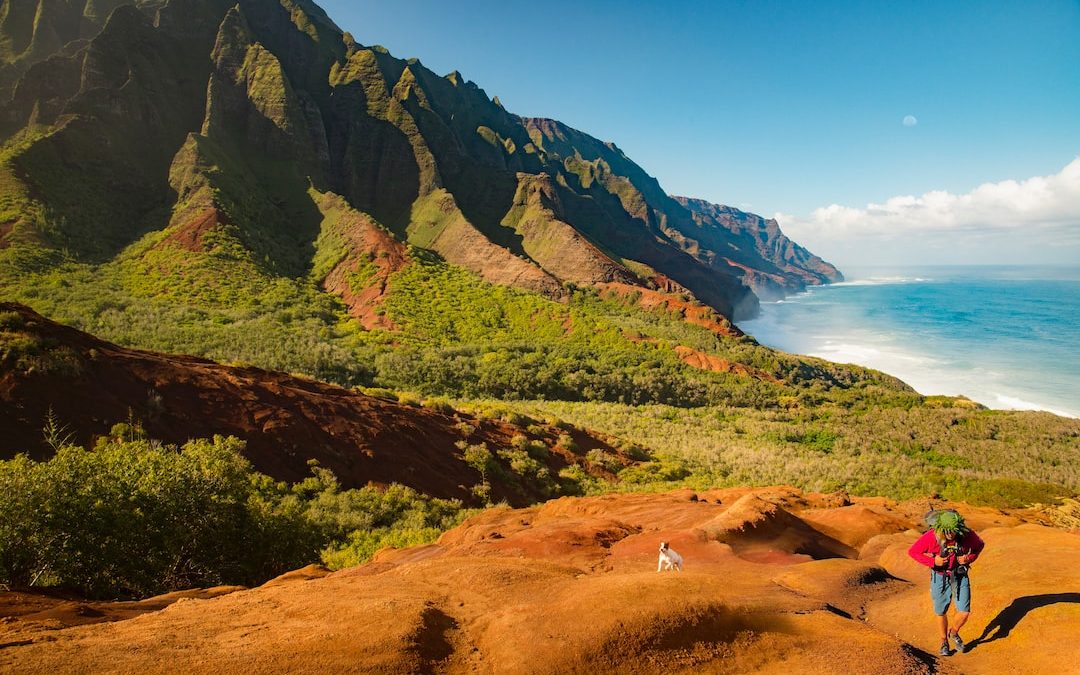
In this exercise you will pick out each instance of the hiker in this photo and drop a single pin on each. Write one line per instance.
(948, 548)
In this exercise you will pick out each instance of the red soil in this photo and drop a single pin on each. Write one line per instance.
(189, 235)
(368, 244)
(284, 419)
(571, 586)
(659, 301)
(716, 364)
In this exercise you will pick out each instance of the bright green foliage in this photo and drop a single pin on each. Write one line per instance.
(205, 306)
(999, 458)
(363, 544)
(464, 337)
(813, 438)
(133, 518)
(480, 458)
(359, 522)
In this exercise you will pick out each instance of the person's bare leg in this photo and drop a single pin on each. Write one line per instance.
(961, 619)
(943, 626)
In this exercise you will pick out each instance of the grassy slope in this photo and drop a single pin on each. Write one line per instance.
(999, 458)
(819, 426)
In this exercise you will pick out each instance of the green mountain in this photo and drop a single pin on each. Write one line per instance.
(212, 128)
(239, 180)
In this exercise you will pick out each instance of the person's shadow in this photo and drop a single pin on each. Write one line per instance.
(1007, 618)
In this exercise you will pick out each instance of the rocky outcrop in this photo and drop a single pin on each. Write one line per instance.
(355, 258)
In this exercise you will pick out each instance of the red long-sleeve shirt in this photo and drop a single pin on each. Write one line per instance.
(926, 548)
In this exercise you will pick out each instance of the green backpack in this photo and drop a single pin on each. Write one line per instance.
(932, 516)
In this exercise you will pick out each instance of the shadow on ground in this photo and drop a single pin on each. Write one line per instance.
(1008, 618)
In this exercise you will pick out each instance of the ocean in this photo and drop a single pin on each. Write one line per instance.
(1005, 336)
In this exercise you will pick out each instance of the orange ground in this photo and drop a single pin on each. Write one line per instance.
(775, 582)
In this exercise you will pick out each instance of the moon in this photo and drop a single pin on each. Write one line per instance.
(910, 121)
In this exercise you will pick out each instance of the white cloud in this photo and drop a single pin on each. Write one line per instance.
(910, 120)
(1042, 207)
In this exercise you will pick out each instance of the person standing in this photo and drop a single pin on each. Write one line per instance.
(948, 548)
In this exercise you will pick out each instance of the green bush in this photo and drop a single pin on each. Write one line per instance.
(567, 442)
(654, 472)
(136, 518)
(479, 457)
(133, 518)
(984, 457)
(604, 460)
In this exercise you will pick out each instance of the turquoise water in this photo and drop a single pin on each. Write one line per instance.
(1007, 337)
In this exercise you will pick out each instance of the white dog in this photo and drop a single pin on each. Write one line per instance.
(668, 558)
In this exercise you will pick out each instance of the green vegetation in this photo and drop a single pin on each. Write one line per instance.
(995, 458)
(460, 336)
(133, 518)
(596, 361)
(22, 350)
(178, 302)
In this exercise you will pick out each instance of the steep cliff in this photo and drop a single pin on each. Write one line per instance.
(220, 128)
(770, 263)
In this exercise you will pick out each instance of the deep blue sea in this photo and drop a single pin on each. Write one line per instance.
(1007, 337)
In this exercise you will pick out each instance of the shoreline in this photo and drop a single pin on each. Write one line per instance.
(862, 321)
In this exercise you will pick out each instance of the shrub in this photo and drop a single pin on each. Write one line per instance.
(134, 518)
(409, 399)
(520, 462)
(537, 449)
(439, 404)
(604, 460)
(654, 472)
(479, 457)
(379, 392)
(574, 480)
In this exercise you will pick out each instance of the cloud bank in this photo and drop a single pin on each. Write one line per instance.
(1042, 210)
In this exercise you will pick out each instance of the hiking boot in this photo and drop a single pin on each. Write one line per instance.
(958, 642)
(945, 648)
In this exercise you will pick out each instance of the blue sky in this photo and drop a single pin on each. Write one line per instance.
(791, 107)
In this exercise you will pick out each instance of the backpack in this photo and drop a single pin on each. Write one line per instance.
(931, 519)
(932, 516)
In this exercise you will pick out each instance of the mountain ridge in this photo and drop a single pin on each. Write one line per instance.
(288, 101)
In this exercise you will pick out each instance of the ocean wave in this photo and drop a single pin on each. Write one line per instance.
(882, 281)
(1012, 403)
(1005, 346)
(888, 360)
